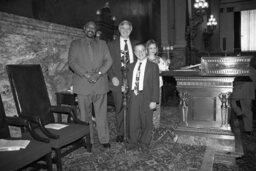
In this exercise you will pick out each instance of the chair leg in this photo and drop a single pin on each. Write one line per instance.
(88, 143)
(48, 159)
(91, 130)
(58, 159)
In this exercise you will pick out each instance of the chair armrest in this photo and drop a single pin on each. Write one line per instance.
(20, 122)
(30, 118)
(16, 121)
(63, 110)
(37, 120)
(68, 111)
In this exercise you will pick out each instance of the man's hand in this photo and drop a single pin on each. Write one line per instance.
(87, 75)
(124, 89)
(93, 78)
(115, 81)
(152, 105)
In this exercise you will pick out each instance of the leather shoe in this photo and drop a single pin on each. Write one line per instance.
(131, 147)
(106, 145)
(248, 133)
(240, 117)
(144, 148)
(120, 138)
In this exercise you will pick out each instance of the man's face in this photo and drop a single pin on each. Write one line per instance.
(90, 30)
(140, 52)
(125, 30)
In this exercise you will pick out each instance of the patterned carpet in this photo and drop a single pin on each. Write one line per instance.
(164, 154)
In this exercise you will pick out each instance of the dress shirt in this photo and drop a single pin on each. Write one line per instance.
(142, 73)
(122, 43)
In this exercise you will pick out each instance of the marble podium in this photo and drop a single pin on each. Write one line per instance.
(205, 111)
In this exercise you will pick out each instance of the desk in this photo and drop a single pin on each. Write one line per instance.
(68, 99)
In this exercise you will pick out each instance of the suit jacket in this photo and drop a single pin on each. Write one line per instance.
(244, 87)
(115, 70)
(80, 62)
(150, 85)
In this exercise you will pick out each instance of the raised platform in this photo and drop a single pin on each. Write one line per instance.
(223, 146)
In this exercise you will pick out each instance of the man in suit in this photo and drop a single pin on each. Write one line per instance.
(143, 83)
(117, 49)
(90, 60)
(243, 94)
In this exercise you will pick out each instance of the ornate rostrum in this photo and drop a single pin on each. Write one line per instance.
(202, 100)
(205, 90)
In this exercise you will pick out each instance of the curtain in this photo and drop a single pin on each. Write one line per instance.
(248, 30)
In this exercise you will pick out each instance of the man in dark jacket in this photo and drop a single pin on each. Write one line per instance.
(117, 48)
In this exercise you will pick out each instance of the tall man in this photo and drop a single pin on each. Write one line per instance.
(117, 49)
(90, 60)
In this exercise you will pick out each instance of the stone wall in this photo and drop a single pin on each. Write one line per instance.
(29, 41)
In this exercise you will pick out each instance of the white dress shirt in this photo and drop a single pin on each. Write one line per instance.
(142, 73)
(122, 43)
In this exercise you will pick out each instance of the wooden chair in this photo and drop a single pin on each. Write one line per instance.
(36, 150)
(32, 102)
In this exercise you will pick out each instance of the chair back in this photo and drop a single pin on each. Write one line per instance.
(30, 91)
(4, 129)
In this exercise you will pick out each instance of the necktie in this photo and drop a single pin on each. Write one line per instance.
(137, 81)
(127, 51)
(90, 50)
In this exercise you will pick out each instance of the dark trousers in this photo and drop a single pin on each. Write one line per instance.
(140, 120)
(245, 109)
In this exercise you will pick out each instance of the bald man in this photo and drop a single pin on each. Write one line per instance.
(89, 58)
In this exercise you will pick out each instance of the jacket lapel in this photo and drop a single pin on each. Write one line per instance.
(146, 74)
(117, 45)
(130, 74)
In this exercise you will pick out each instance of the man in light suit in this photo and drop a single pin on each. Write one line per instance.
(117, 49)
(90, 60)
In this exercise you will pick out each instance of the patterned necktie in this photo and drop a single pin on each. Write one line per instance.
(127, 52)
(137, 81)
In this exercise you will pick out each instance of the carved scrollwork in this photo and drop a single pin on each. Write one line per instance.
(224, 98)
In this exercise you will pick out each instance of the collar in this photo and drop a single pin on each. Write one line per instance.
(122, 39)
(142, 61)
(90, 40)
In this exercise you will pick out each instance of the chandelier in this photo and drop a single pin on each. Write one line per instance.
(212, 23)
(200, 6)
